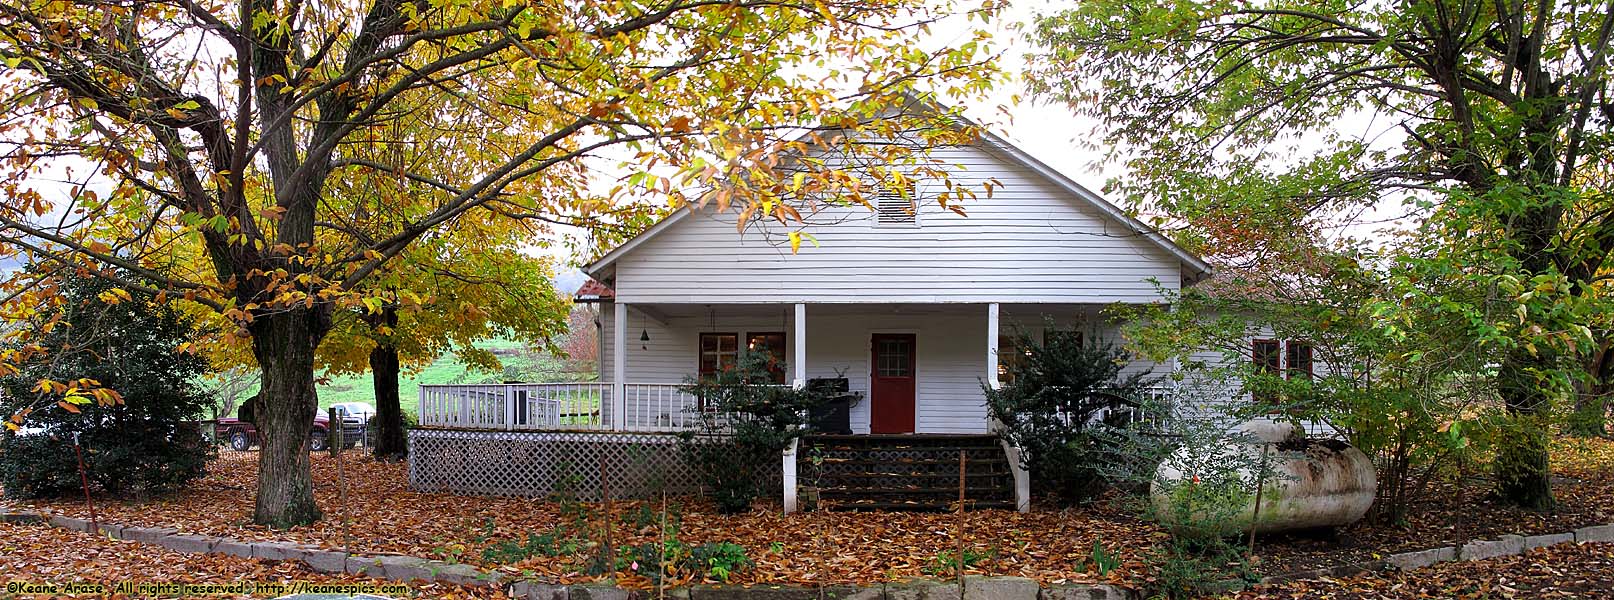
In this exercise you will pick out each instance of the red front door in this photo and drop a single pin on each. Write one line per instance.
(892, 383)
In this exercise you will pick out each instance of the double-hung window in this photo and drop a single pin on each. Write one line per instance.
(718, 352)
(1285, 359)
(772, 346)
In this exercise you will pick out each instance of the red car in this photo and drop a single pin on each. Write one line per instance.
(242, 435)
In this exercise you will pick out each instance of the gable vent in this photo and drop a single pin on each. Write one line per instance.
(896, 208)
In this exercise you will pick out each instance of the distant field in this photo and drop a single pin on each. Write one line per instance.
(520, 363)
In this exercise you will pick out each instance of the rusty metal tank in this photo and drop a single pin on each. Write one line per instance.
(1311, 483)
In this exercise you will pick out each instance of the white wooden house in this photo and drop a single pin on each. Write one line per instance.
(910, 306)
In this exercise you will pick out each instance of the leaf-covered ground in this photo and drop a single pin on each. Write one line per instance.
(1452, 514)
(41, 554)
(1052, 546)
(38, 554)
(385, 516)
(1570, 571)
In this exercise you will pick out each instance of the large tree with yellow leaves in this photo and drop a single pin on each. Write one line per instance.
(451, 289)
(208, 133)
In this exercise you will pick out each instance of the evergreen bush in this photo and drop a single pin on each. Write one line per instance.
(1061, 396)
(150, 442)
(745, 422)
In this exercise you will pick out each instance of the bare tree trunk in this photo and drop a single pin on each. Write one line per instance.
(1523, 473)
(390, 440)
(284, 345)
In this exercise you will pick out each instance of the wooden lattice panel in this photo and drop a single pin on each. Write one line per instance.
(552, 463)
(903, 472)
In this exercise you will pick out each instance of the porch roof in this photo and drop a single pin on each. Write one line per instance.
(669, 310)
(593, 291)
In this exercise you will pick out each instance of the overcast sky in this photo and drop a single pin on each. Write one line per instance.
(1055, 136)
(1049, 132)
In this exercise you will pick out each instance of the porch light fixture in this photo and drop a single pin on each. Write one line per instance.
(644, 339)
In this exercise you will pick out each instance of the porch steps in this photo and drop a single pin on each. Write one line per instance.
(904, 472)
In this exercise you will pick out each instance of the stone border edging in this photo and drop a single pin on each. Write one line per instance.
(1507, 545)
(409, 568)
(976, 587)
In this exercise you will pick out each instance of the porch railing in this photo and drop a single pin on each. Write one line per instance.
(659, 406)
(1166, 406)
(582, 405)
(664, 407)
(1150, 405)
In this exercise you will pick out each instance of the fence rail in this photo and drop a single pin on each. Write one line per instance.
(549, 406)
(1216, 403)
(665, 407)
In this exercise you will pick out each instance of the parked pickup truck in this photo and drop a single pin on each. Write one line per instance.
(242, 435)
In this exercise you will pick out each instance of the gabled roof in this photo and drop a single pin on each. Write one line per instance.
(1197, 268)
(593, 269)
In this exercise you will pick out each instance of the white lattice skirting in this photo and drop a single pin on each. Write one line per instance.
(549, 463)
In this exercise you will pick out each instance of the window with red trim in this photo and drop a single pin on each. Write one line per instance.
(771, 345)
(1010, 358)
(718, 352)
(1266, 355)
(1297, 359)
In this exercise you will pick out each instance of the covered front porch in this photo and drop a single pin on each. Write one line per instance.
(918, 369)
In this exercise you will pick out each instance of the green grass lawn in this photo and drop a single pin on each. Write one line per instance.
(520, 363)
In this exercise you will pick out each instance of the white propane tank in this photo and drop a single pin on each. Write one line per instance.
(1312, 483)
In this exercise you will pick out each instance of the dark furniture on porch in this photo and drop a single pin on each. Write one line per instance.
(835, 415)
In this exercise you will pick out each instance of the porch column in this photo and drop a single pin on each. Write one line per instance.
(1022, 478)
(788, 468)
(992, 345)
(799, 360)
(798, 363)
(619, 367)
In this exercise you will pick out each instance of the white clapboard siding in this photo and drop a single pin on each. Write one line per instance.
(1218, 358)
(1034, 321)
(950, 362)
(1032, 241)
(1216, 393)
